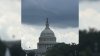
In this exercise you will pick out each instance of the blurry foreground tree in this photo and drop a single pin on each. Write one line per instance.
(87, 40)
(2, 49)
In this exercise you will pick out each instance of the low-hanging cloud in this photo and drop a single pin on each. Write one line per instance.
(89, 15)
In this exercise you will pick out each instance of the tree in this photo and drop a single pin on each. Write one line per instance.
(87, 40)
(61, 49)
(2, 49)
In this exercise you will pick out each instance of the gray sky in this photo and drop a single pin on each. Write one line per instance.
(61, 13)
(89, 14)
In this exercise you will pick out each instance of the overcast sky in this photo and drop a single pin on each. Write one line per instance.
(61, 13)
(89, 14)
(64, 27)
(63, 20)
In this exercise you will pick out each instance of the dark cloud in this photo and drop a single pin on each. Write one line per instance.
(89, 0)
(61, 13)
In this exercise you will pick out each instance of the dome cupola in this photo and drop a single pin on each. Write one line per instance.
(47, 31)
(47, 38)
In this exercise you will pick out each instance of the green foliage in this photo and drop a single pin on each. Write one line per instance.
(2, 49)
(61, 49)
(87, 40)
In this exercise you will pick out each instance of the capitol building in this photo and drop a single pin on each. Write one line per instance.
(47, 40)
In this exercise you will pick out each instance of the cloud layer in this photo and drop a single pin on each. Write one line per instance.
(11, 28)
(88, 0)
(64, 11)
(89, 15)
(12, 16)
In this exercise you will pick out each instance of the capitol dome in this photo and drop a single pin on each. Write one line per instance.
(47, 31)
(47, 40)
(47, 35)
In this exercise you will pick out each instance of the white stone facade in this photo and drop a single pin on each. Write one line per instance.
(47, 39)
